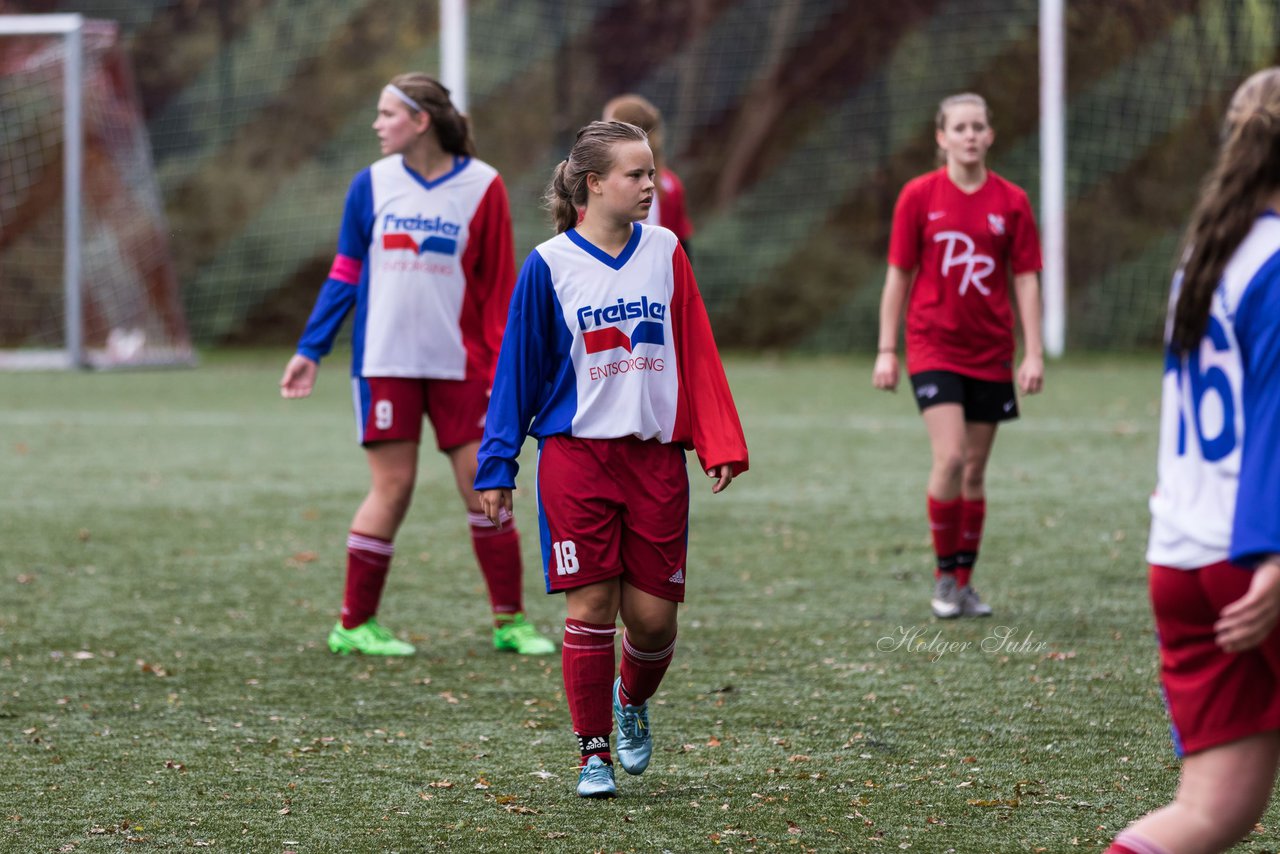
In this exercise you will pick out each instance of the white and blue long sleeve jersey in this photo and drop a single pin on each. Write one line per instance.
(602, 347)
(1219, 460)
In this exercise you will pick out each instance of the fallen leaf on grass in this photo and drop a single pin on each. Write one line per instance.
(26, 578)
(792, 827)
(995, 802)
(448, 697)
(283, 811)
(713, 742)
(516, 809)
(440, 784)
(156, 670)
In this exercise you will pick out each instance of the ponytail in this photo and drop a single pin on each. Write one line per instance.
(559, 198)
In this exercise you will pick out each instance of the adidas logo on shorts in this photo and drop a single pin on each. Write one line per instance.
(677, 577)
(927, 391)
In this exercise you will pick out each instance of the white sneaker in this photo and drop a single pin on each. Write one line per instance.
(947, 602)
(971, 604)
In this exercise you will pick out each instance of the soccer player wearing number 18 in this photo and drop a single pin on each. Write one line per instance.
(1214, 548)
(958, 232)
(609, 360)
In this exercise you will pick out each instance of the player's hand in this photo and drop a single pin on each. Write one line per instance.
(1246, 622)
(885, 374)
(492, 501)
(299, 377)
(723, 475)
(1031, 374)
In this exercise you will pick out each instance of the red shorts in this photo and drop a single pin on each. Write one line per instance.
(1214, 697)
(390, 408)
(613, 508)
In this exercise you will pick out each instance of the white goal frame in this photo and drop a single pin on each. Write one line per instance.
(71, 28)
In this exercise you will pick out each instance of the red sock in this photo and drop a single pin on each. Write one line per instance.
(944, 524)
(642, 670)
(1130, 843)
(368, 559)
(498, 553)
(587, 661)
(973, 512)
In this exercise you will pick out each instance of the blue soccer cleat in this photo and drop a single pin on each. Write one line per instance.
(596, 780)
(635, 742)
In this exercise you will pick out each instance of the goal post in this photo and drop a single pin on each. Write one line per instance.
(1053, 161)
(86, 277)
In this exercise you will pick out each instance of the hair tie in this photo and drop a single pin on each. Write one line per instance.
(400, 93)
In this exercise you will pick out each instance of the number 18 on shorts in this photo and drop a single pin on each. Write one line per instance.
(613, 508)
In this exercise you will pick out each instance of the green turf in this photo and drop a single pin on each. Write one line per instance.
(172, 560)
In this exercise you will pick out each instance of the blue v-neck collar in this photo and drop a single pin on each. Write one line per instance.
(604, 257)
(459, 163)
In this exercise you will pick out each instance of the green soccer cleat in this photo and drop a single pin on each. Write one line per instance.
(518, 635)
(368, 638)
(596, 780)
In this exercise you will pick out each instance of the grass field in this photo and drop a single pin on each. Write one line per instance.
(172, 557)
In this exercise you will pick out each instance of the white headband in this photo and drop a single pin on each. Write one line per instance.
(399, 93)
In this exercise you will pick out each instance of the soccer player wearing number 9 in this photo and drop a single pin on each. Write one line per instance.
(1214, 547)
(609, 360)
(958, 232)
(425, 259)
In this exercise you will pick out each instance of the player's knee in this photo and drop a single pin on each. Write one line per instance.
(948, 464)
(395, 492)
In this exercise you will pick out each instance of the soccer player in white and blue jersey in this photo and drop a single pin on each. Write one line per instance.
(608, 359)
(1214, 548)
(425, 260)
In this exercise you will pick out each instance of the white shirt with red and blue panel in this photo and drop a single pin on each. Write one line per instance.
(604, 347)
(1218, 481)
(428, 266)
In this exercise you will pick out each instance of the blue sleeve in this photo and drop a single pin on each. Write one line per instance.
(522, 375)
(1256, 529)
(348, 273)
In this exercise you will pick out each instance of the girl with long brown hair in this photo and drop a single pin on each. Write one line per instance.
(425, 259)
(1214, 548)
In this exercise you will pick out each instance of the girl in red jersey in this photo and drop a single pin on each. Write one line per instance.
(957, 233)
(1214, 547)
(609, 360)
(668, 209)
(425, 258)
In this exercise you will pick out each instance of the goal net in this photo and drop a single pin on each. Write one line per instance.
(86, 278)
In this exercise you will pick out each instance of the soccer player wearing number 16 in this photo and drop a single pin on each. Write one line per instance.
(958, 232)
(609, 360)
(1215, 527)
(425, 259)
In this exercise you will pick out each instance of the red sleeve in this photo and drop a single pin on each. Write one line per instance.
(904, 240)
(672, 210)
(490, 267)
(1024, 253)
(705, 413)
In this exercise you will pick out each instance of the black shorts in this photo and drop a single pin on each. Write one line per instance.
(983, 400)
